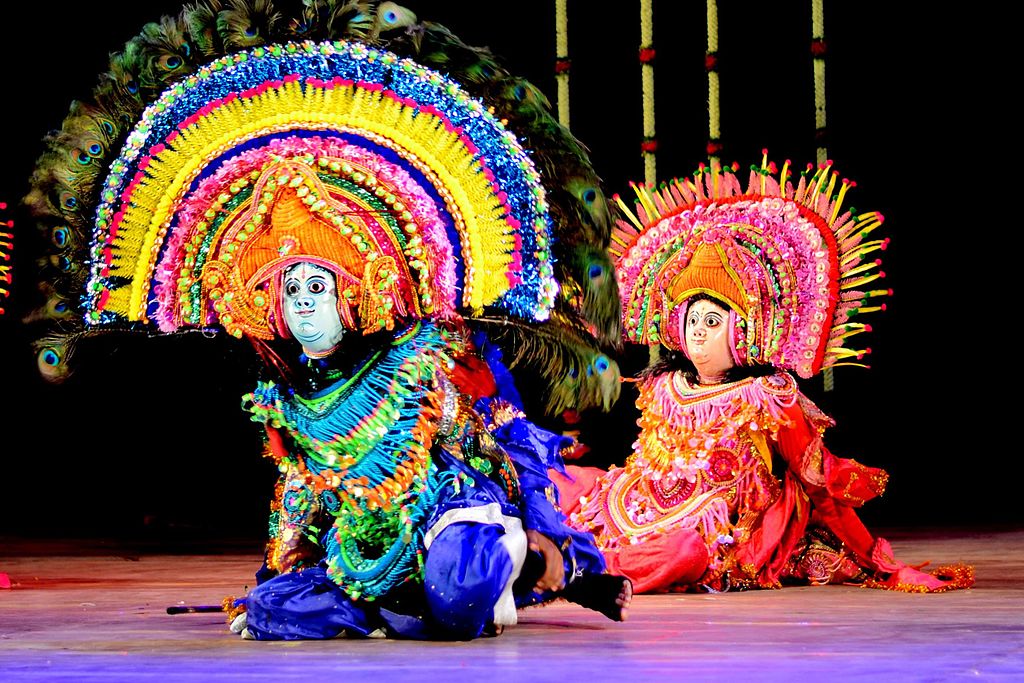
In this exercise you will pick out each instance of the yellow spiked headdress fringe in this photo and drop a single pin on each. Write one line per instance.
(785, 258)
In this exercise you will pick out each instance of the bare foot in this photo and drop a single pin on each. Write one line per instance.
(608, 594)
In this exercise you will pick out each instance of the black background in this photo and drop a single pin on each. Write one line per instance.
(147, 439)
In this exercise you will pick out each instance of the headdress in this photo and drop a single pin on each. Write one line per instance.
(213, 157)
(786, 259)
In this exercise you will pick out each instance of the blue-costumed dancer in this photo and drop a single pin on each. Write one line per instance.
(295, 181)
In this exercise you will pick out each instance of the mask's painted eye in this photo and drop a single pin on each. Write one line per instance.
(317, 287)
(291, 288)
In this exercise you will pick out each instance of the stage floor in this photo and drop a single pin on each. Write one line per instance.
(96, 611)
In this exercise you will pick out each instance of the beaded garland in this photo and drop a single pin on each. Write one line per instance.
(363, 446)
(796, 256)
(701, 456)
(239, 100)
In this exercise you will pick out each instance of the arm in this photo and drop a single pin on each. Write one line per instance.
(533, 451)
(802, 447)
(294, 513)
(834, 485)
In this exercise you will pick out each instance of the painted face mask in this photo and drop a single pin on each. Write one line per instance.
(311, 308)
(707, 340)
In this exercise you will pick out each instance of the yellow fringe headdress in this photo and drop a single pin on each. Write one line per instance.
(785, 258)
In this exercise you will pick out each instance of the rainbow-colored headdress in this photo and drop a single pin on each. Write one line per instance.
(411, 173)
(785, 259)
(233, 140)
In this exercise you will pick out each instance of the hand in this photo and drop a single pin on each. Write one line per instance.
(554, 568)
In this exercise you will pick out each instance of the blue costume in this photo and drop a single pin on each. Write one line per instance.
(329, 180)
(405, 497)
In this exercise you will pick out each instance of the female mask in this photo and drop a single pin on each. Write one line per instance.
(311, 308)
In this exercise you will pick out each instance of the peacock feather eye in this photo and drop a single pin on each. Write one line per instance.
(590, 195)
(60, 306)
(132, 87)
(108, 127)
(574, 372)
(596, 271)
(68, 200)
(172, 62)
(390, 17)
(64, 263)
(61, 236)
(49, 357)
(251, 32)
(81, 157)
(601, 364)
(187, 49)
(95, 149)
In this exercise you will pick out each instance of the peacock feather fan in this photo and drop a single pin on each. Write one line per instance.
(581, 216)
(153, 196)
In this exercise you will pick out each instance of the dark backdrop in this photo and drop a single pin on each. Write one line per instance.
(148, 439)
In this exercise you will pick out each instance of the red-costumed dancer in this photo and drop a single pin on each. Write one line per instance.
(730, 484)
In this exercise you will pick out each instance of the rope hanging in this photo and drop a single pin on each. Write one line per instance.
(649, 146)
(562, 61)
(714, 146)
(820, 129)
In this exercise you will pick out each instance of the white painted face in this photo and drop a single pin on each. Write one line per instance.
(311, 308)
(707, 340)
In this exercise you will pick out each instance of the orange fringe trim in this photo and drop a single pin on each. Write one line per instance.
(231, 609)
(957, 576)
